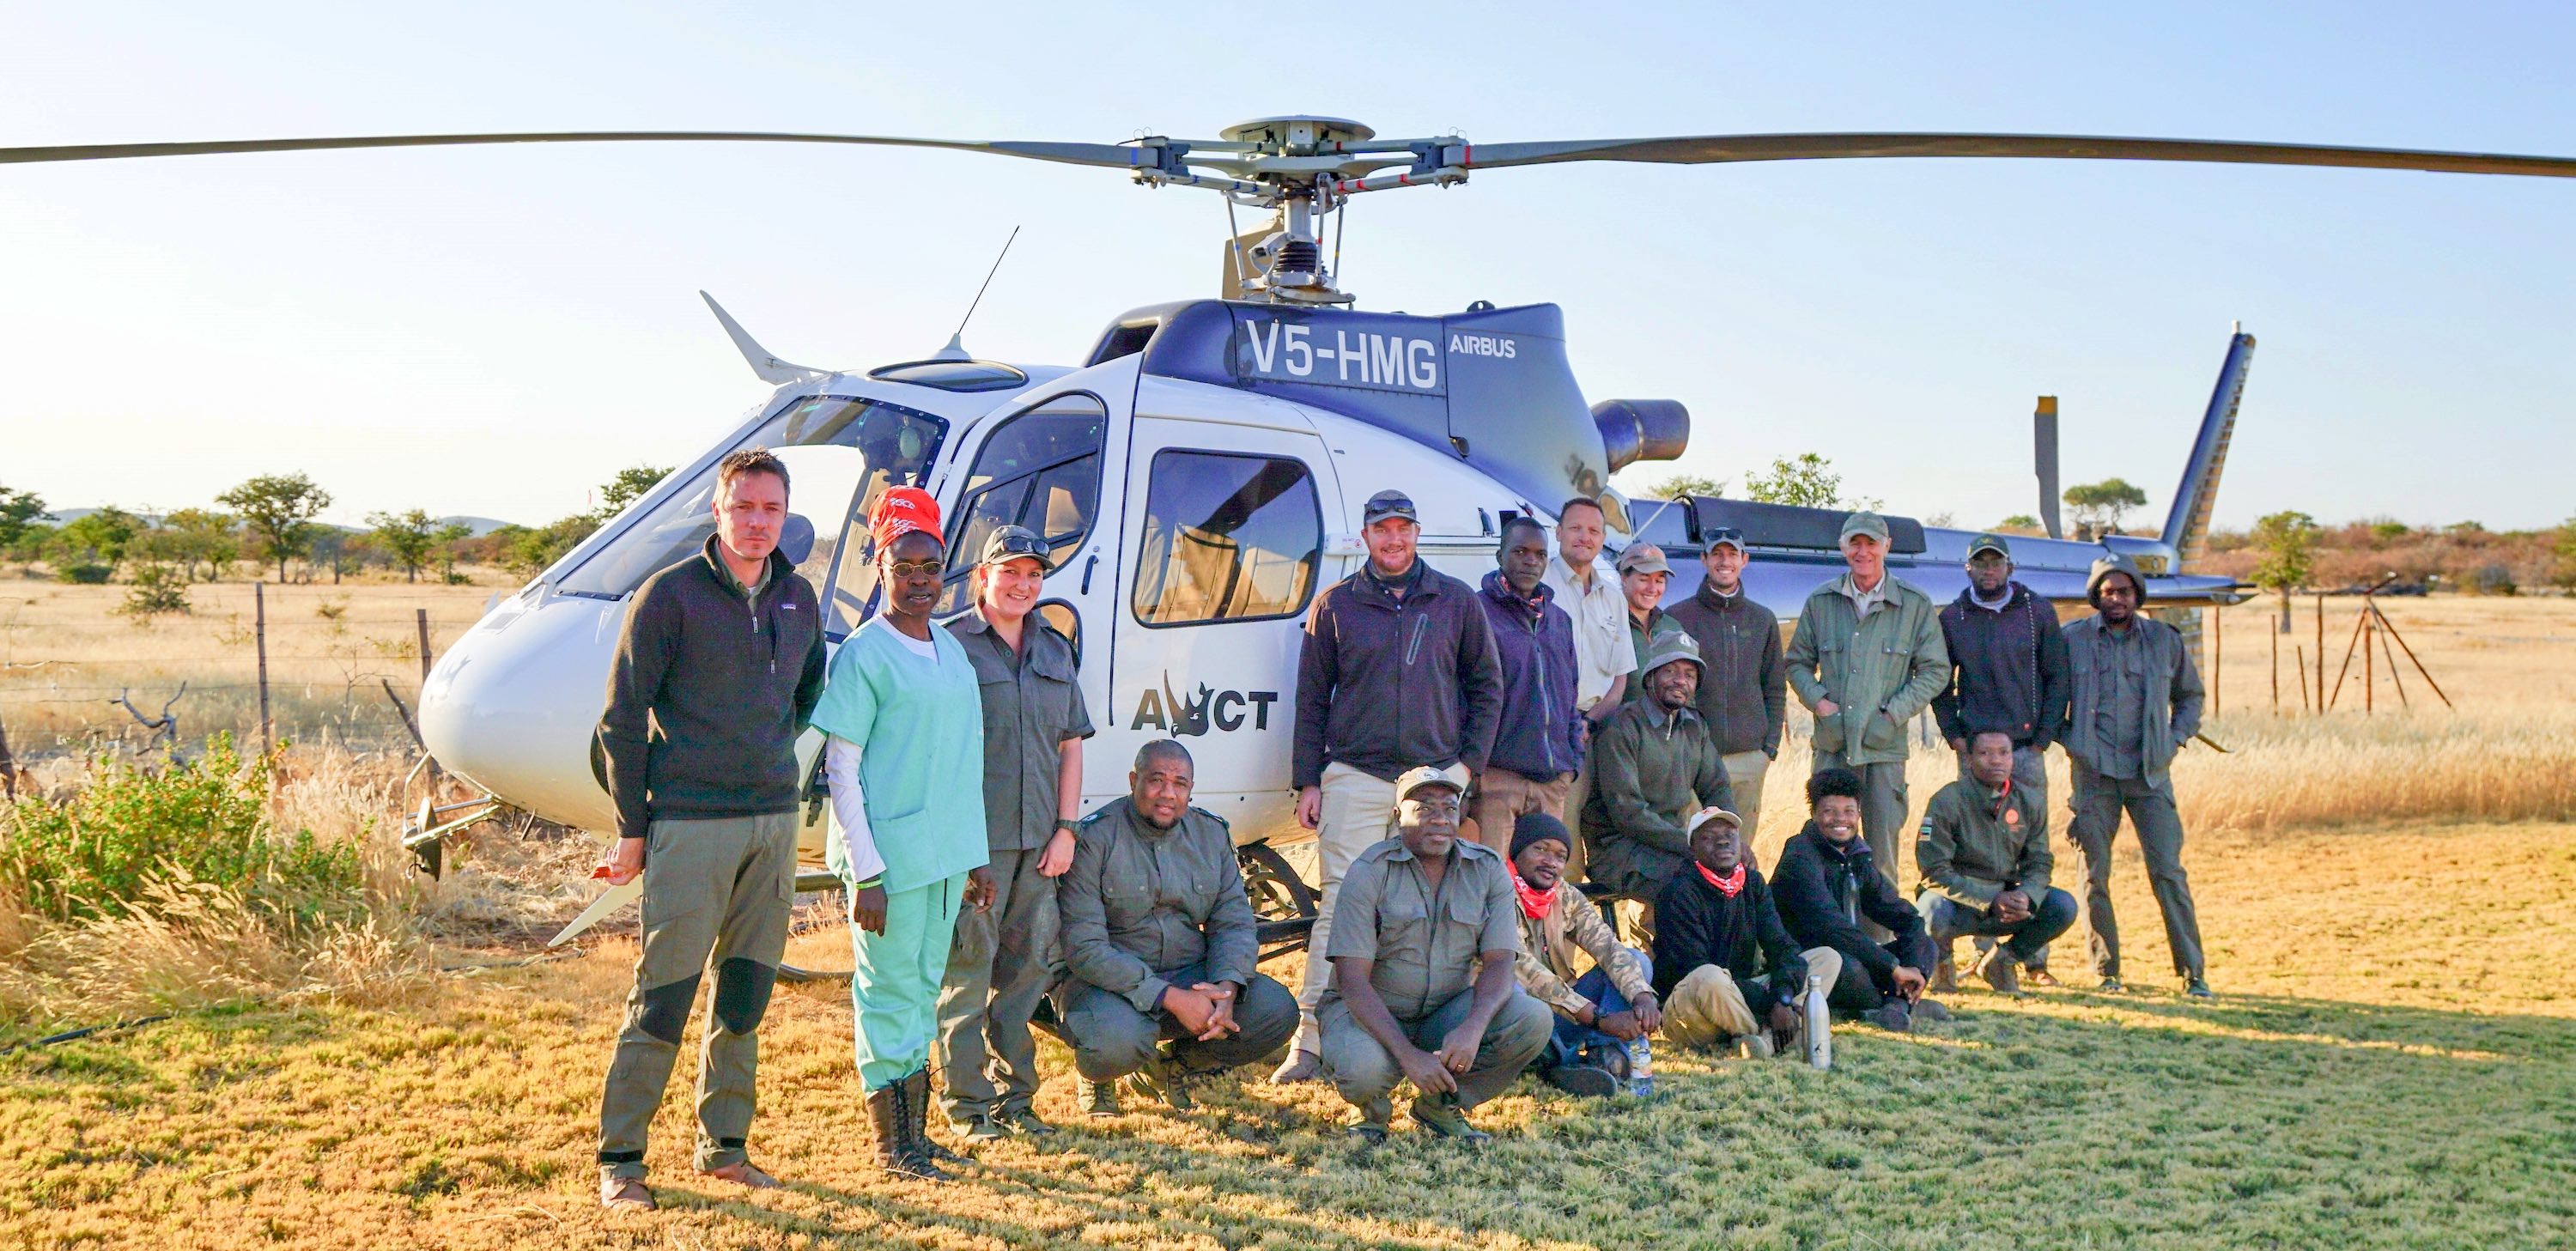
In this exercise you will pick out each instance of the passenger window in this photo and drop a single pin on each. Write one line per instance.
(1041, 470)
(1228, 537)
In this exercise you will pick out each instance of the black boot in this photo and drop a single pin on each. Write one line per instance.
(917, 1097)
(890, 1114)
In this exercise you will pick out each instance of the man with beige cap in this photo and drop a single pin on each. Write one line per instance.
(1725, 966)
(1866, 657)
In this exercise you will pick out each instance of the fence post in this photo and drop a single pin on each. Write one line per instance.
(2321, 654)
(259, 638)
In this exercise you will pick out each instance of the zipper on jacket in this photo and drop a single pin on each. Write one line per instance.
(1413, 646)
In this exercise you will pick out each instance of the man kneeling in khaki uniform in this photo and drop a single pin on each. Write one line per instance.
(1423, 987)
(1725, 966)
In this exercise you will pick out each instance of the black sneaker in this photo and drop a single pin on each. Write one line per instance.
(1891, 1016)
(2199, 989)
(1367, 1134)
(1588, 1080)
(1930, 1010)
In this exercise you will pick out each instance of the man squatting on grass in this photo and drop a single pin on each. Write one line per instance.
(1825, 887)
(1160, 944)
(699, 734)
(1004, 957)
(1983, 852)
(1423, 985)
(1723, 961)
(908, 840)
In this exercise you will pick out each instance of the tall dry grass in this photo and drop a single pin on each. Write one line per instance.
(184, 943)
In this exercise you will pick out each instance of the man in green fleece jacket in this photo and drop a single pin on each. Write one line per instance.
(718, 670)
(1866, 657)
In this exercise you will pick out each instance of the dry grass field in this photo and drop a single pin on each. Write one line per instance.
(2393, 1063)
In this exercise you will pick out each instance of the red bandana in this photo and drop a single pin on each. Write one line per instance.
(1727, 885)
(901, 511)
(1536, 903)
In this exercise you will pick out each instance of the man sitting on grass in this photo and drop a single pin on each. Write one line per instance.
(1825, 885)
(1983, 852)
(1422, 983)
(1600, 1014)
(1722, 959)
(1159, 944)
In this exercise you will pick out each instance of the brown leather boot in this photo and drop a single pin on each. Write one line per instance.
(890, 1115)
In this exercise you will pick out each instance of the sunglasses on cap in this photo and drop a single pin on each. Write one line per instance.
(1007, 546)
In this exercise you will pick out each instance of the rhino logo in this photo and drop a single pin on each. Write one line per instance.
(1206, 711)
(1189, 717)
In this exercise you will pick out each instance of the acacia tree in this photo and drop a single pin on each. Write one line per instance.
(408, 537)
(1684, 485)
(2287, 540)
(628, 486)
(103, 535)
(279, 509)
(204, 534)
(2100, 506)
(18, 510)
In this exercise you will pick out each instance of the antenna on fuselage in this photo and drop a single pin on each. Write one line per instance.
(956, 349)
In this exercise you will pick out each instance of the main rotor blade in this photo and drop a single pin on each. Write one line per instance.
(1721, 149)
(1121, 157)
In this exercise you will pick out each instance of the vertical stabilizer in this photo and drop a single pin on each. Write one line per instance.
(2187, 526)
(770, 368)
(2043, 450)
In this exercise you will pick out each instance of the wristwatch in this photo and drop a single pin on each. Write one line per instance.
(1068, 825)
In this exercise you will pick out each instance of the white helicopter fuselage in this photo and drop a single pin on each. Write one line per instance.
(1165, 651)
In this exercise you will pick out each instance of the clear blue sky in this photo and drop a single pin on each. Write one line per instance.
(493, 331)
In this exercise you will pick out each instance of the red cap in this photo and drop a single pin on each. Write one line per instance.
(900, 511)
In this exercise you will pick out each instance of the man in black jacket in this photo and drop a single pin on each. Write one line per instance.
(2009, 673)
(1397, 671)
(1724, 966)
(1824, 886)
(718, 670)
(1744, 684)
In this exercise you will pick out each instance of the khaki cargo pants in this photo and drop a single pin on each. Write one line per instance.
(716, 892)
(1001, 961)
(1708, 1007)
(1358, 813)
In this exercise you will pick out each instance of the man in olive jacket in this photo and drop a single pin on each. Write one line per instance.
(2136, 702)
(1983, 853)
(1653, 765)
(1866, 657)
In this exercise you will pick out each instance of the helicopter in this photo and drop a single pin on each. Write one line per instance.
(1199, 475)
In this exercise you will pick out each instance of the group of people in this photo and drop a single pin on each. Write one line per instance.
(1467, 757)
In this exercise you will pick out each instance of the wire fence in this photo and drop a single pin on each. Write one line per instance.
(304, 673)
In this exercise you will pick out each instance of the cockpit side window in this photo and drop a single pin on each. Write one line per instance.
(1040, 469)
(840, 452)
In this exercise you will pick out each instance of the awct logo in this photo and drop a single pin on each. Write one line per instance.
(1165, 710)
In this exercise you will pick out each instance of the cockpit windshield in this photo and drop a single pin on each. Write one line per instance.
(840, 453)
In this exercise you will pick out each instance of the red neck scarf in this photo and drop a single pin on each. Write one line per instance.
(1534, 902)
(1727, 885)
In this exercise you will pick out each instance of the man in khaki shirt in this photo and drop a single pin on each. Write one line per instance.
(1603, 1016)
(1422, 973)
(1605, 661)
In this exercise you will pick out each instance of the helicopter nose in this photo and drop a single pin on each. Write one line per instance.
(512, 705)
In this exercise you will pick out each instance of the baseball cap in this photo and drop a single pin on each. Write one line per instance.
(1714, 813)
(1013, 542)
(1989, 543)
(1387, 504)
(1420, 776)
(1643, 558)
(1669, 647)
(1865, 522)
(1727, 536)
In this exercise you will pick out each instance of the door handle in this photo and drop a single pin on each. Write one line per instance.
(1087, 567)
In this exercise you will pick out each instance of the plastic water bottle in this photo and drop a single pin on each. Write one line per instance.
(1817, 1026)
(1641, 1073)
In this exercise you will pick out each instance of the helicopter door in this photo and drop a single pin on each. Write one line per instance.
(1225, 530)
